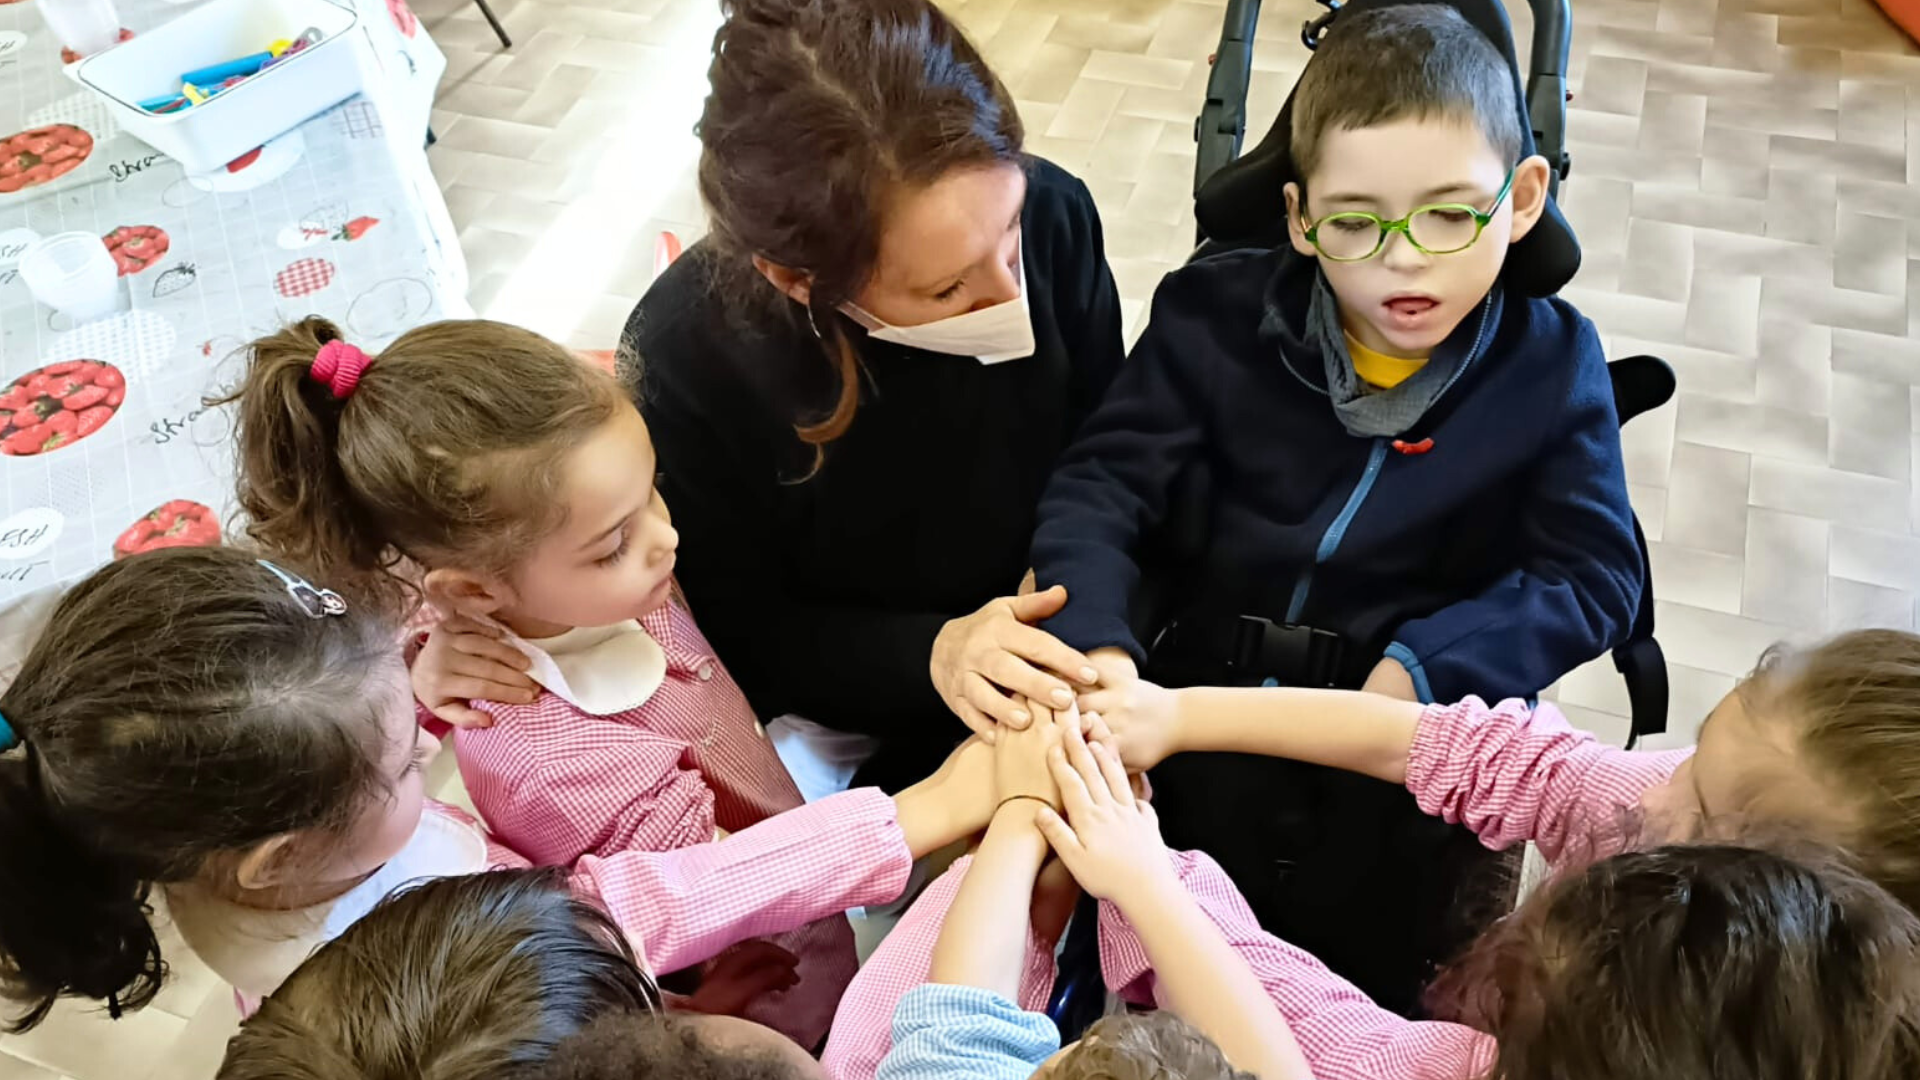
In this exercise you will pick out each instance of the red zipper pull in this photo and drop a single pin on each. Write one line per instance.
(1411, 448)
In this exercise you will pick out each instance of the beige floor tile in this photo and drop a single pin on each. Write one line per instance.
(1717, 642)
(1837, 496)
(1854, 605)
(1707, 500)
(1775, 584)
(1703, 579)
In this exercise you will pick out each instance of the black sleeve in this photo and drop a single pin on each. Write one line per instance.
(1088, 305)
(858, 669)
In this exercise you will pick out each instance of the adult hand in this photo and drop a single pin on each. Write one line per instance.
(741, 975)
(464, 659)
(1020, 762)
(1109, 838)
(984, 662)
(1388, 678)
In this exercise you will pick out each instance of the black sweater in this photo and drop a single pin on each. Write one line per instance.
(823, 595)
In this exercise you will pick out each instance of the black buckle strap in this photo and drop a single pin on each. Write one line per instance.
(1295, 655)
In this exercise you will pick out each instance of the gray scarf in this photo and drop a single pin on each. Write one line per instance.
(1371, 413)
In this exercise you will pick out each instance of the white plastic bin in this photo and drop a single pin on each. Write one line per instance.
(207, 136)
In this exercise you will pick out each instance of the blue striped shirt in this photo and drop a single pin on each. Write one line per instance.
(941, 1032)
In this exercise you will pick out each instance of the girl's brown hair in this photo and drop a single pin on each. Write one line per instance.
(821, 112)
(446, 452)
(181, 706)
(463, 978)
(1701, 961)
(1854, 701)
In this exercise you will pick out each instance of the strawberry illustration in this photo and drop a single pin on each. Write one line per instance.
(59, 404)
(176, 279)
(92, 420)
(135, 247)
(41, 154)
(85, 398)
(178, 523)
(355, 229)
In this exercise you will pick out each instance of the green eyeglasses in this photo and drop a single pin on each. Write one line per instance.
(1440, 229)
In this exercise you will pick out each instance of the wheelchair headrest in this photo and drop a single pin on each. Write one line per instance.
(1242, 202)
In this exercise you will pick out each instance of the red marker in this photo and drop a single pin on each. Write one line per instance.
(1411, 448)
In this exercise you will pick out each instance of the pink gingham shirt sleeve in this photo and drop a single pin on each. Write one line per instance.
(1343, 1034)
(863, 1028)
(683, 907)
(1513, 774)
(556, 783)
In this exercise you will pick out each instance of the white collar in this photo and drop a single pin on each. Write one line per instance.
(601, 670)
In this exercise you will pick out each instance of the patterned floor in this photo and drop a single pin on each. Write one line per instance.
(1746, 184)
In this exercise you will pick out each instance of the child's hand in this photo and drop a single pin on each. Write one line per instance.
(1109, 839)
(1020, 759)
(1144, 720)
(463, 660)
(966, 784)
(741, 975)
(1391, 680)
(985, 663)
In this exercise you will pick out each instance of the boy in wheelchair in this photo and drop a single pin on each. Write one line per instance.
(1355, 459)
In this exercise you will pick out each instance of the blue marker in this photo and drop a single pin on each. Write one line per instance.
(215, 74)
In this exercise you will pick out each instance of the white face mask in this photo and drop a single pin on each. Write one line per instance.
(993, 334)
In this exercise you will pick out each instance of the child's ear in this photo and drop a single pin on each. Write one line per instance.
(797, 284)
(1296, 211)
(1529, 195)
(266, 864)
(457, 592)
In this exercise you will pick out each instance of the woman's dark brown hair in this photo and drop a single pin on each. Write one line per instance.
(180, 706)
(1852, 704)
(462, 978)
(447, 453)
(822, 111)
(1705, 962)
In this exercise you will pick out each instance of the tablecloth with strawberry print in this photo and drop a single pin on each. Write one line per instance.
(105, 446)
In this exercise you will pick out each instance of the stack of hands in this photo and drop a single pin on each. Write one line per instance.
(994, 666)
(1063, 773)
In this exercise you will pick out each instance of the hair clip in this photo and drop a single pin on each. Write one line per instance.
(8, 737)
(316, 602)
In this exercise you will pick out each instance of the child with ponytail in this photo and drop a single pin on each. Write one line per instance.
(216, 726)
(516, 483)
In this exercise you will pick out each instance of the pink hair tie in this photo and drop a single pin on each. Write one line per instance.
(339, 365)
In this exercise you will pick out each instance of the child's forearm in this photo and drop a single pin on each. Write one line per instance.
(1210, 986)
(983, 941)
(1344, 729)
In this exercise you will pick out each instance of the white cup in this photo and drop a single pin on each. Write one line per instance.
(73, 273)
(85, 26)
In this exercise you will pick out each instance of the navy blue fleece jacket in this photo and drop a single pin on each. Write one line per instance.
(1491, 564)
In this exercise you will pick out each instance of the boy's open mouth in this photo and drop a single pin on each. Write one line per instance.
(1408, 311)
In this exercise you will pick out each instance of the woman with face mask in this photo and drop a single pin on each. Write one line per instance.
(858, 382)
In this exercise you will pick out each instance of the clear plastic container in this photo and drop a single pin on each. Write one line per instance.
(84, 26)
(72, 273)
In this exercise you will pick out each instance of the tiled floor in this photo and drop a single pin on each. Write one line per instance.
(1746, 185)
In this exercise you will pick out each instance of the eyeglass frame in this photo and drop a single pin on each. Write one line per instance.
(1481, 219)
